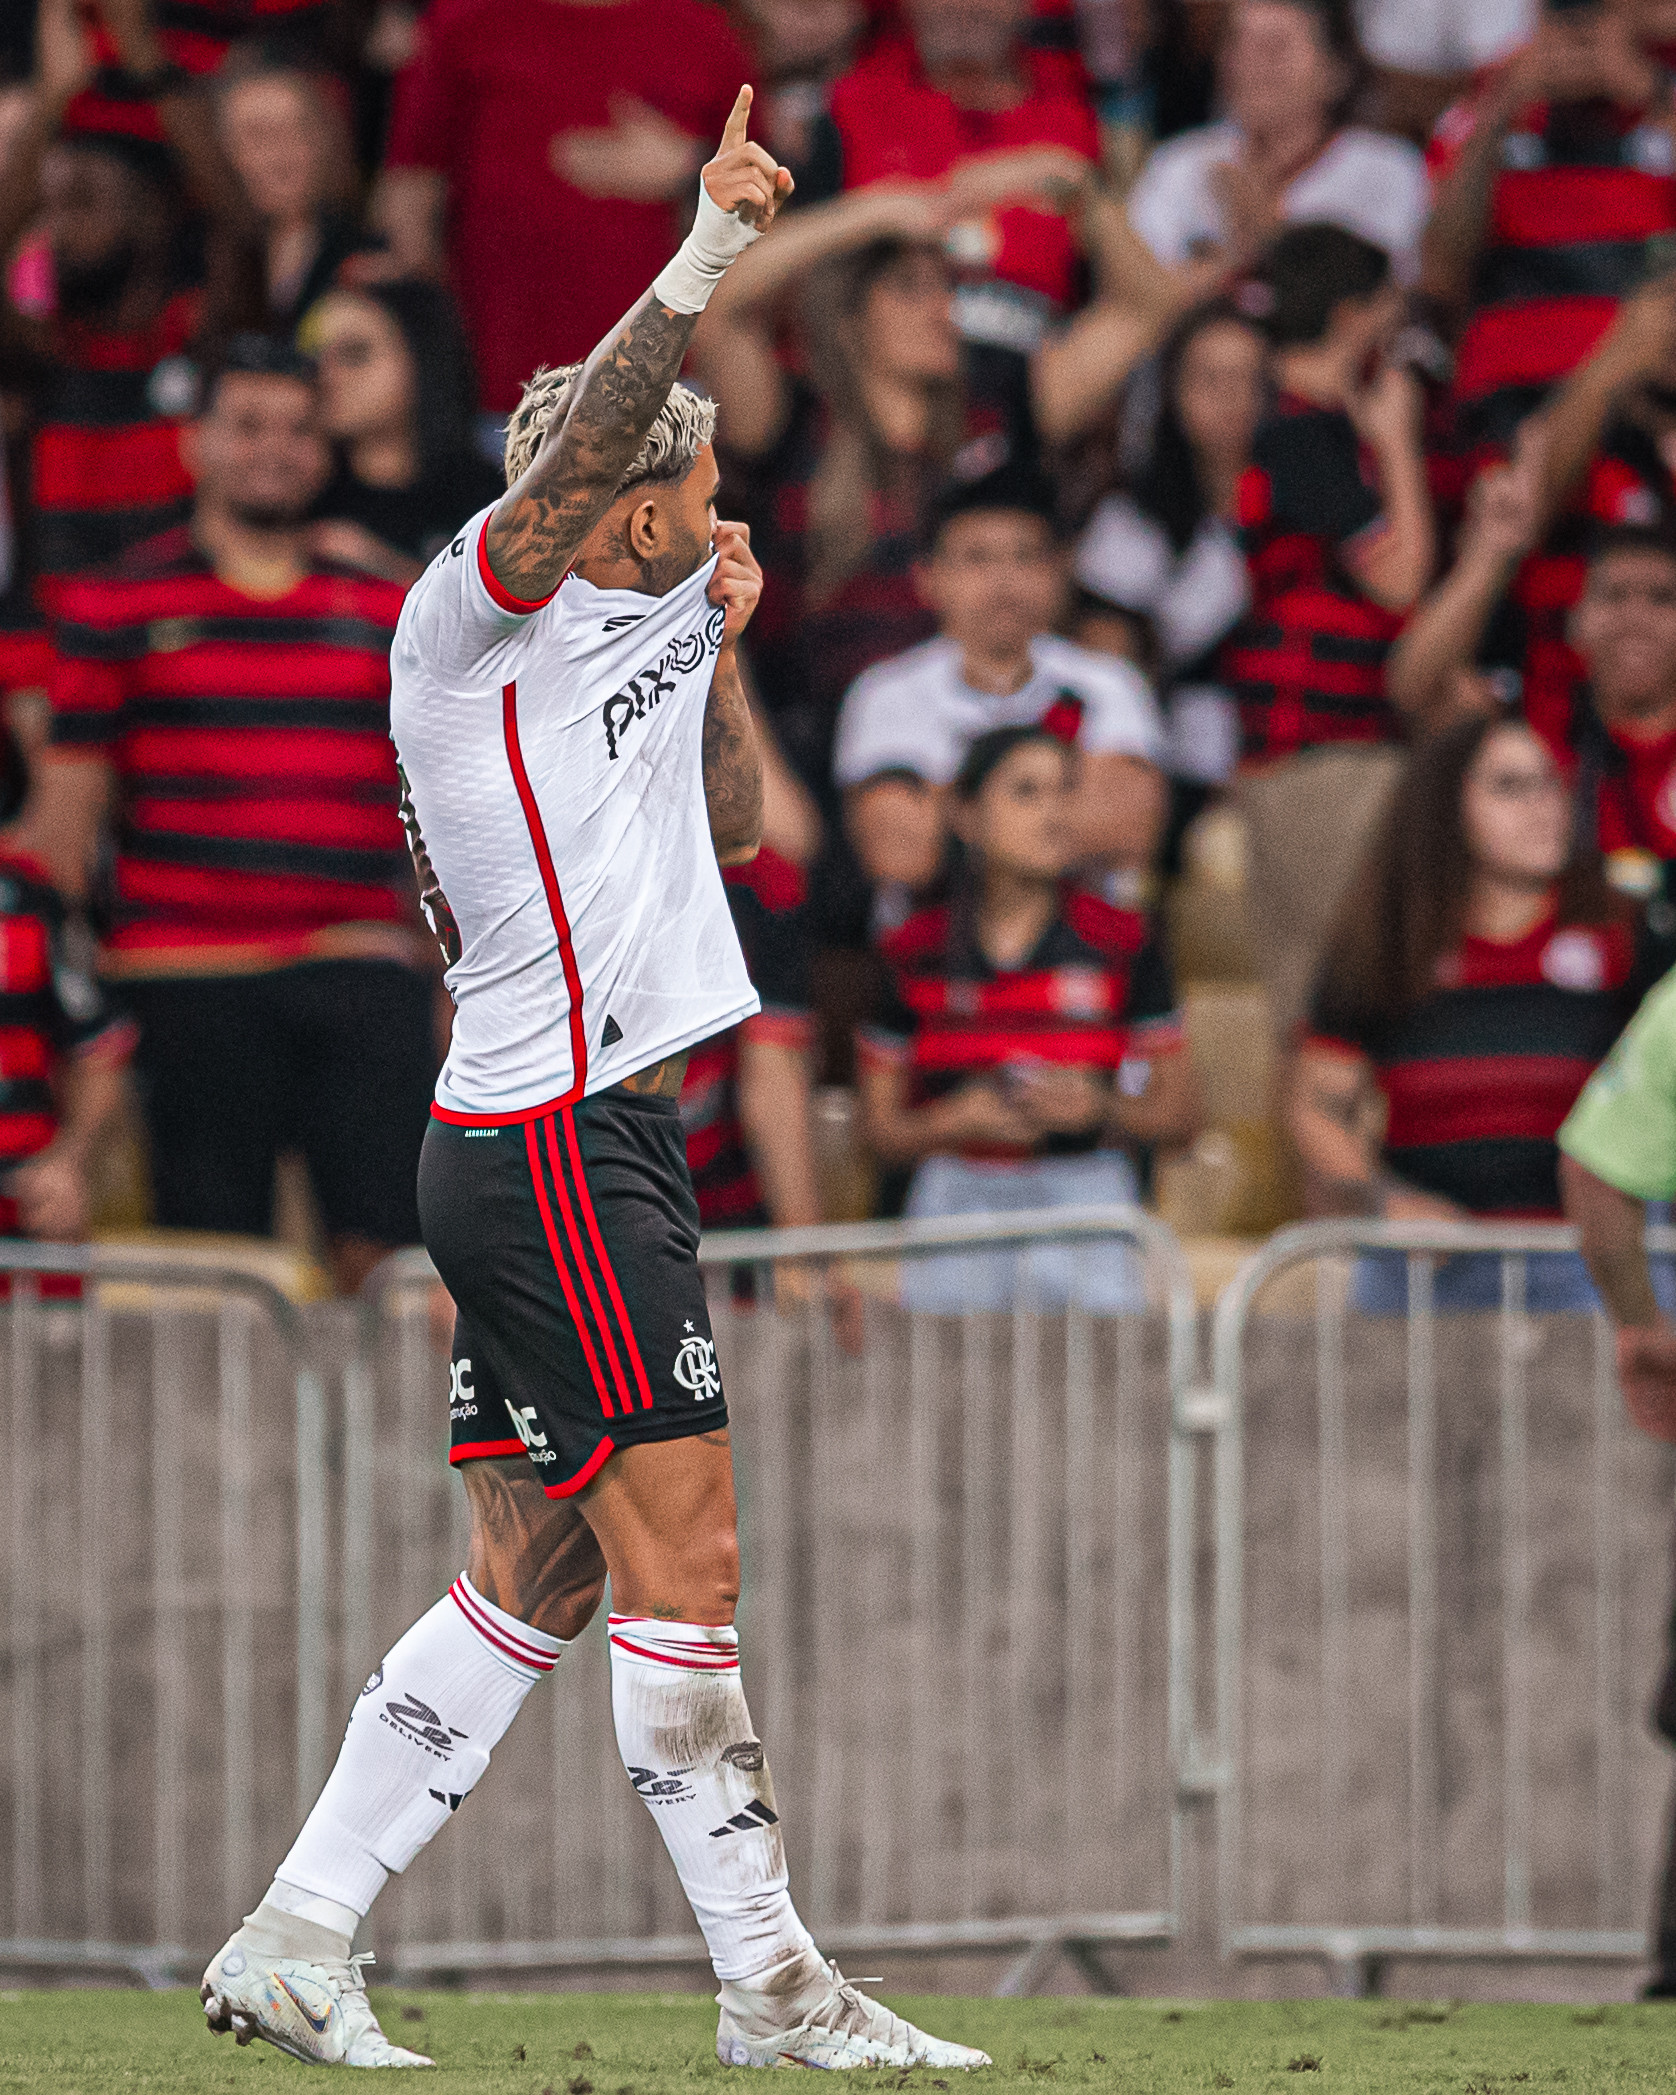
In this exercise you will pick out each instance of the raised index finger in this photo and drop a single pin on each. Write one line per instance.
(733, 133)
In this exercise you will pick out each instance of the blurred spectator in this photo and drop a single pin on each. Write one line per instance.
(745, 1103)
(231, 695)
(1426, 52)
(115, 379)
(1336, 521)
(1160, 561)
(835, 472)
(192, 41)
(964, 96)
(996, 579)
(1284, 151)
(1622, 731)
(66, 1046)
(288, 141)
(803, 48)
(1604, 438)
(553, 139)
(1440, 670)
(396, 401)
(1547, 186)
(1477, 974)
(1029, 1034)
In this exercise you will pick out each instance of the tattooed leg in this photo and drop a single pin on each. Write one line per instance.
(534, 1556)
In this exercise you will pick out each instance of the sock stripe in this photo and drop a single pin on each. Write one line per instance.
(725, 1661)
(505, 1641)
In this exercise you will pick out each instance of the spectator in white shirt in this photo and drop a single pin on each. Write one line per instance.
(1160, 564)
(995, 576)
(1284, 152)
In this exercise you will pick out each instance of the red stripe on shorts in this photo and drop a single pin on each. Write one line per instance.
(563, 1272)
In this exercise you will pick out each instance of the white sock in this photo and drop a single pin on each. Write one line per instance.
(419, 1738)
(686, 1739)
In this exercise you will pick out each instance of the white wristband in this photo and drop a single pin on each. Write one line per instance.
(717, 239)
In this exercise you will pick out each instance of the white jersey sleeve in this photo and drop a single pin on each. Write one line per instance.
(458, 613)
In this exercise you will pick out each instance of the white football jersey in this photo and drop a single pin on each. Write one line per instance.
(553, 787)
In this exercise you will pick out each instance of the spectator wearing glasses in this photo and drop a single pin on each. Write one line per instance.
(396, 400)
(1028, 1037)
(221, 697)
(1479, 970)
(1284, 153)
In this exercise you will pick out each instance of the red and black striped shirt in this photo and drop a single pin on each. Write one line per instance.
(196, 35)
(50, 1008)
(1097, 992)
(106, 468)
(1307, 665)
(766, 898)
(1479, 1077)
(251, 741)
(1582, 187)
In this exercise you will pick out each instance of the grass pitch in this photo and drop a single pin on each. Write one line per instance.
(85, 2042)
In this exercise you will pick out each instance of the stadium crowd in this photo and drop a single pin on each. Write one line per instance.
(1213, 464)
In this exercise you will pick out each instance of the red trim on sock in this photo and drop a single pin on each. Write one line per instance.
(529, 1655)
(664, 1658)
(563, 1271)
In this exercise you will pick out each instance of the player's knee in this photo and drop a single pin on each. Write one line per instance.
(714, 1570)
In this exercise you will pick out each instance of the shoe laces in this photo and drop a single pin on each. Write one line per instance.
(862, 2014)
(349, 1976)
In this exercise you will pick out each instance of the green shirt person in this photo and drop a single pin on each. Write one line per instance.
(1619, 1151)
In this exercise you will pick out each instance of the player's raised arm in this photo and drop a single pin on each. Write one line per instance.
(537, 530)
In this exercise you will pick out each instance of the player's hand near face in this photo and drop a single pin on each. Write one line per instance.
(744, 177)
(737, 582)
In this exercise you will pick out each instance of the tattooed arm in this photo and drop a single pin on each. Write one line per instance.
(538, 528)
(732, 754)
(732, 766)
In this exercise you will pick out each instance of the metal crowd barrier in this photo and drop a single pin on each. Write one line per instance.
(968, 1626)
(165, 1671)
(1022, 1590)
(1420, 1779)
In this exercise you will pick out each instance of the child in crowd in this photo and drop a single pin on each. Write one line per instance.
(1029, 1036)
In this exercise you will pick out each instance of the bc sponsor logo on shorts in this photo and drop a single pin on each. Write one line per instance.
(523, 1424)
(695, 1367)
(461, 1395)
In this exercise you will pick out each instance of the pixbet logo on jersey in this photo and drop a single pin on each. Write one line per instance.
(652, 686)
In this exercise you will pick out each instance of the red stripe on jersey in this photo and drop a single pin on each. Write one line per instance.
(983, 1047)
(124, 468)
(1528, 344)
(1576, 205)
(601, 1321)
(555, 902)
(1481, 1098)
(563, 1271)
(498, 590)
(605, 1266)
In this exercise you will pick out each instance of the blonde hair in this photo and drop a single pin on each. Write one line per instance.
(685, 424)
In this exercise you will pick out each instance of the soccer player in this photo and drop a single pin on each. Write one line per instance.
(577, 759)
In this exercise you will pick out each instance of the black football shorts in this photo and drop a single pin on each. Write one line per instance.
(570, 1246)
